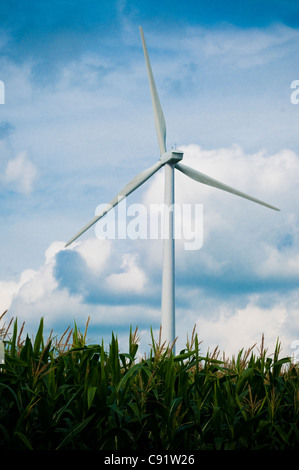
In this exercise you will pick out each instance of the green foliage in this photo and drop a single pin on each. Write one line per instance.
(69, 395)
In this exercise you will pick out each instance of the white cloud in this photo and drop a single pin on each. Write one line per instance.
(279, 264)
(38, 293)
(220, 323)
(11, 289)
(244, 245)
(33, 284)
(20, 173)
(234, 229)
(242, 328)
(95, 253)
(132, 279)
(216, 87)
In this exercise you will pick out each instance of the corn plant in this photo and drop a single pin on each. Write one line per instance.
(66, 394)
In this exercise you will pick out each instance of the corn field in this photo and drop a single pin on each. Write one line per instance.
(67, 395)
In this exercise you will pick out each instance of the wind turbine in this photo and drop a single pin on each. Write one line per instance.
(171, 161)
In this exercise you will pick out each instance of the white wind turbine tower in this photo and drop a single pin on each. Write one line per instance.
(170, 160)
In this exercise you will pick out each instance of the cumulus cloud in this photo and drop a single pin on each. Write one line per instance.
(10, 289)
(247, 248)
(242, 283)
(73, 282)
(238, 234)
(20, 173)
(243, 327)
(132, 278)
(216, 86)
(95, 253)
(33, 284)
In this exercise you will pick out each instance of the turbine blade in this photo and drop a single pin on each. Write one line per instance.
(158, 112)
(128, 189)
(201, 178)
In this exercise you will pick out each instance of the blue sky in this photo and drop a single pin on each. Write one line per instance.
(77, 125)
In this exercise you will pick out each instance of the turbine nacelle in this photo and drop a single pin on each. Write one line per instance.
(174, 156)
